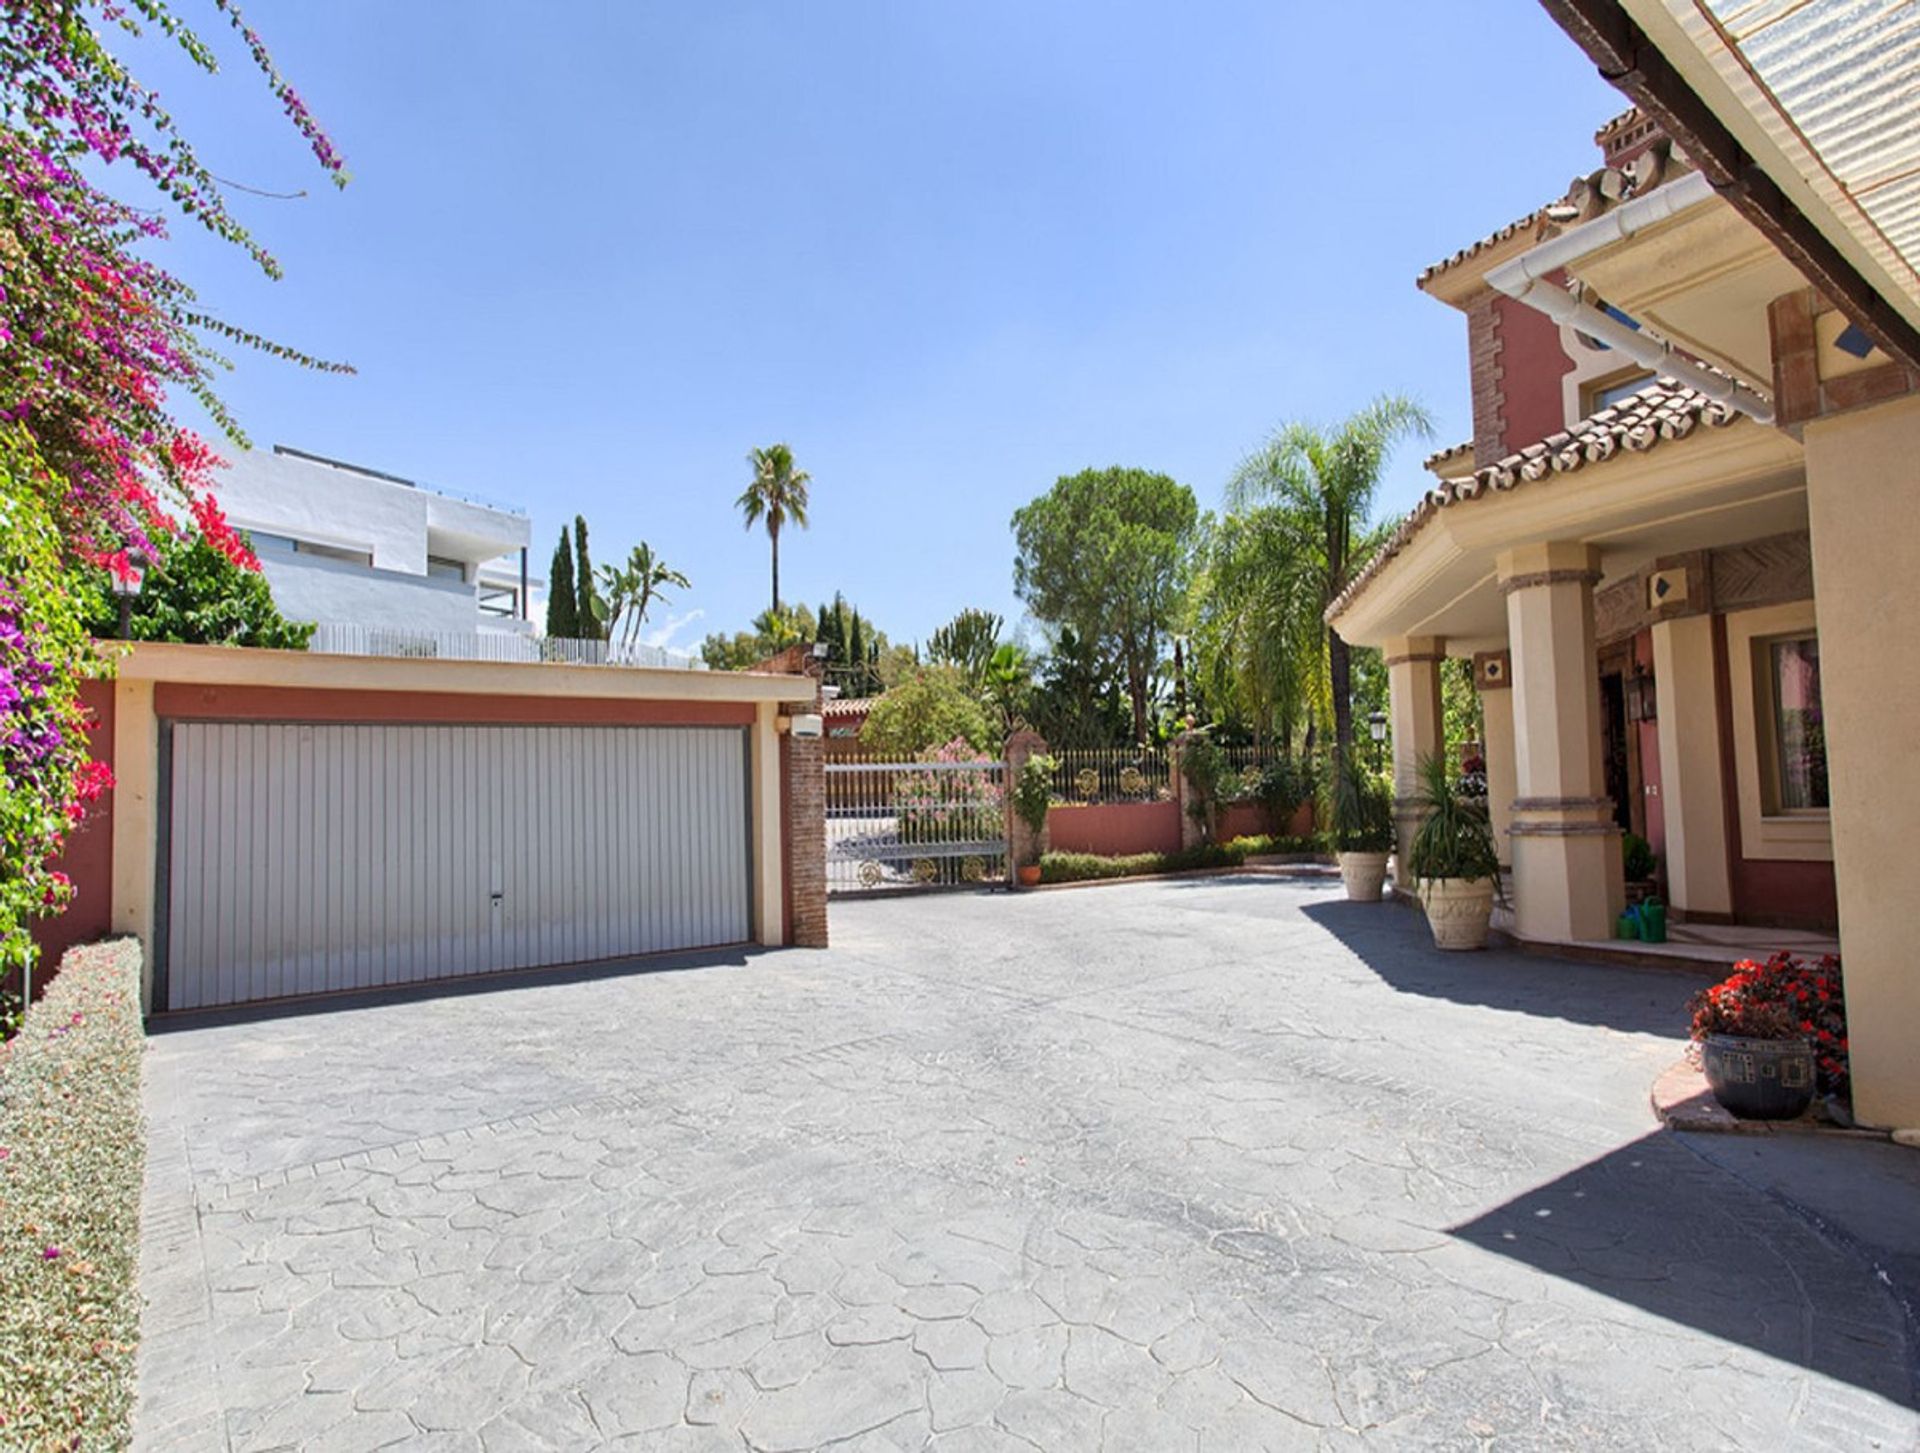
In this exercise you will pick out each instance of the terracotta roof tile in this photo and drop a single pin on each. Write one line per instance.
(1531, 221)
(1452, 451)
(848, 705)
(1664, 409)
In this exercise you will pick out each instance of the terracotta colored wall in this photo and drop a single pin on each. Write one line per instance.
(1650, 755)
(88, 858)
(1766, 891)
(1531, 365)
(1113, 829)
(293, 703)
(1249, 819)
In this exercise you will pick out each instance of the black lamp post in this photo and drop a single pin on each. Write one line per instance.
(126, 587)
(1377, 728)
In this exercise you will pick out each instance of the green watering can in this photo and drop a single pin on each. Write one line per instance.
(1645, 921)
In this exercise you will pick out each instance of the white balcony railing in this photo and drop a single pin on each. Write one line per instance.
(356, 640)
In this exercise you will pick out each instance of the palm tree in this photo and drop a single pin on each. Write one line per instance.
(1259, 653)
(777, 495)
(631, 591)
(1323, 482)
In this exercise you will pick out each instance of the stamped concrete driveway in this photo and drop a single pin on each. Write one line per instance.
(1209, 1164)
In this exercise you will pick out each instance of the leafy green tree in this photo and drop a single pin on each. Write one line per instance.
(927, 710)
(629, 591)
(1106, 552)
(967, 643)
(772, 631)
(563, 605)
(1323, 481)
(1007, 683)
(587, 610)
(1459, 703)
(194, 593)
(1076, 702)
(854, 647)
(777, 496)
(1258, 665)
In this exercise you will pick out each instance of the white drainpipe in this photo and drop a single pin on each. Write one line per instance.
(1525, 281)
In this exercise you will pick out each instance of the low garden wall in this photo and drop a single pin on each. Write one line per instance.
(1122, 829)
(1114, 829)
(72, 1154)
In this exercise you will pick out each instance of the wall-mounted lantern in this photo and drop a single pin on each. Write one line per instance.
(1643, 699)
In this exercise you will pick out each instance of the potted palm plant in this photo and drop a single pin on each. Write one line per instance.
(1453, 859)
(1359, 808)
(1032, 796)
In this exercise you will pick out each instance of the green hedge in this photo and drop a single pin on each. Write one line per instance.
(1085, 867)
(72, 1153)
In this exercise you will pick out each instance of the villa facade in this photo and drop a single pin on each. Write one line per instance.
(1677, 552)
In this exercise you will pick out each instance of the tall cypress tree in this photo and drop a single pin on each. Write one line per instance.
(857, 682)
(590, 628)
(563, 606)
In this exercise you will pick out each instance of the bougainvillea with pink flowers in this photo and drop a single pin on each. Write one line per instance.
(95, 339)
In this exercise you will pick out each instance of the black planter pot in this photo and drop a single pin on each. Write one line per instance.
(1759, 1079)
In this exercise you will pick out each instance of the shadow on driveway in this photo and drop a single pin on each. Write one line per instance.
(451, 988)
(1392, 940)
(1672, 1228)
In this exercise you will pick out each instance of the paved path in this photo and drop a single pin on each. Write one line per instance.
(1211, 1164)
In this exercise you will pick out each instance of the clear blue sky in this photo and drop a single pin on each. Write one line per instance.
(594, 252)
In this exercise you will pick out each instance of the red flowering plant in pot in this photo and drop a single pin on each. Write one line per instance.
(1772, 1035)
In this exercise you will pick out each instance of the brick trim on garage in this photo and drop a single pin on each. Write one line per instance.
(394, 708)
(803, 799)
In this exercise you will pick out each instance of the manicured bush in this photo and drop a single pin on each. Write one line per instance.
(72, 1152)
(1086, 867)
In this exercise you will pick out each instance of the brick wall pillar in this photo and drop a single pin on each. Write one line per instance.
(1194, 832)
(805, 797)
(1023, 845)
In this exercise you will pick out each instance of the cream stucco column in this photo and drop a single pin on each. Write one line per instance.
(1493, 678)
(1413, 690)
(136, 818)
(1860, 497)
(1692, 795)
(769, 879)
(1567, 876)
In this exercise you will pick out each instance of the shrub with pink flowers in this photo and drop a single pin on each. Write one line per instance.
(93, 337)
(950, 806)
(48, 780)
(1786, 997)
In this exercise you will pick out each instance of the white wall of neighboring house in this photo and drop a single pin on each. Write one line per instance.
(332, 592)
(362, 543)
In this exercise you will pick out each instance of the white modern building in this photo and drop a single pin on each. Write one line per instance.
(347, 546)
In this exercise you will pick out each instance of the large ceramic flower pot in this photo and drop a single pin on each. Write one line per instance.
(1458, 910)
(1365, 874)
(1029, 874)
(1759, 1079)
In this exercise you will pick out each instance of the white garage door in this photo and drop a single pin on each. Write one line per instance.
(303, 859)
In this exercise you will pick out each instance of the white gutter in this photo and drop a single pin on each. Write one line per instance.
(1525, 281)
